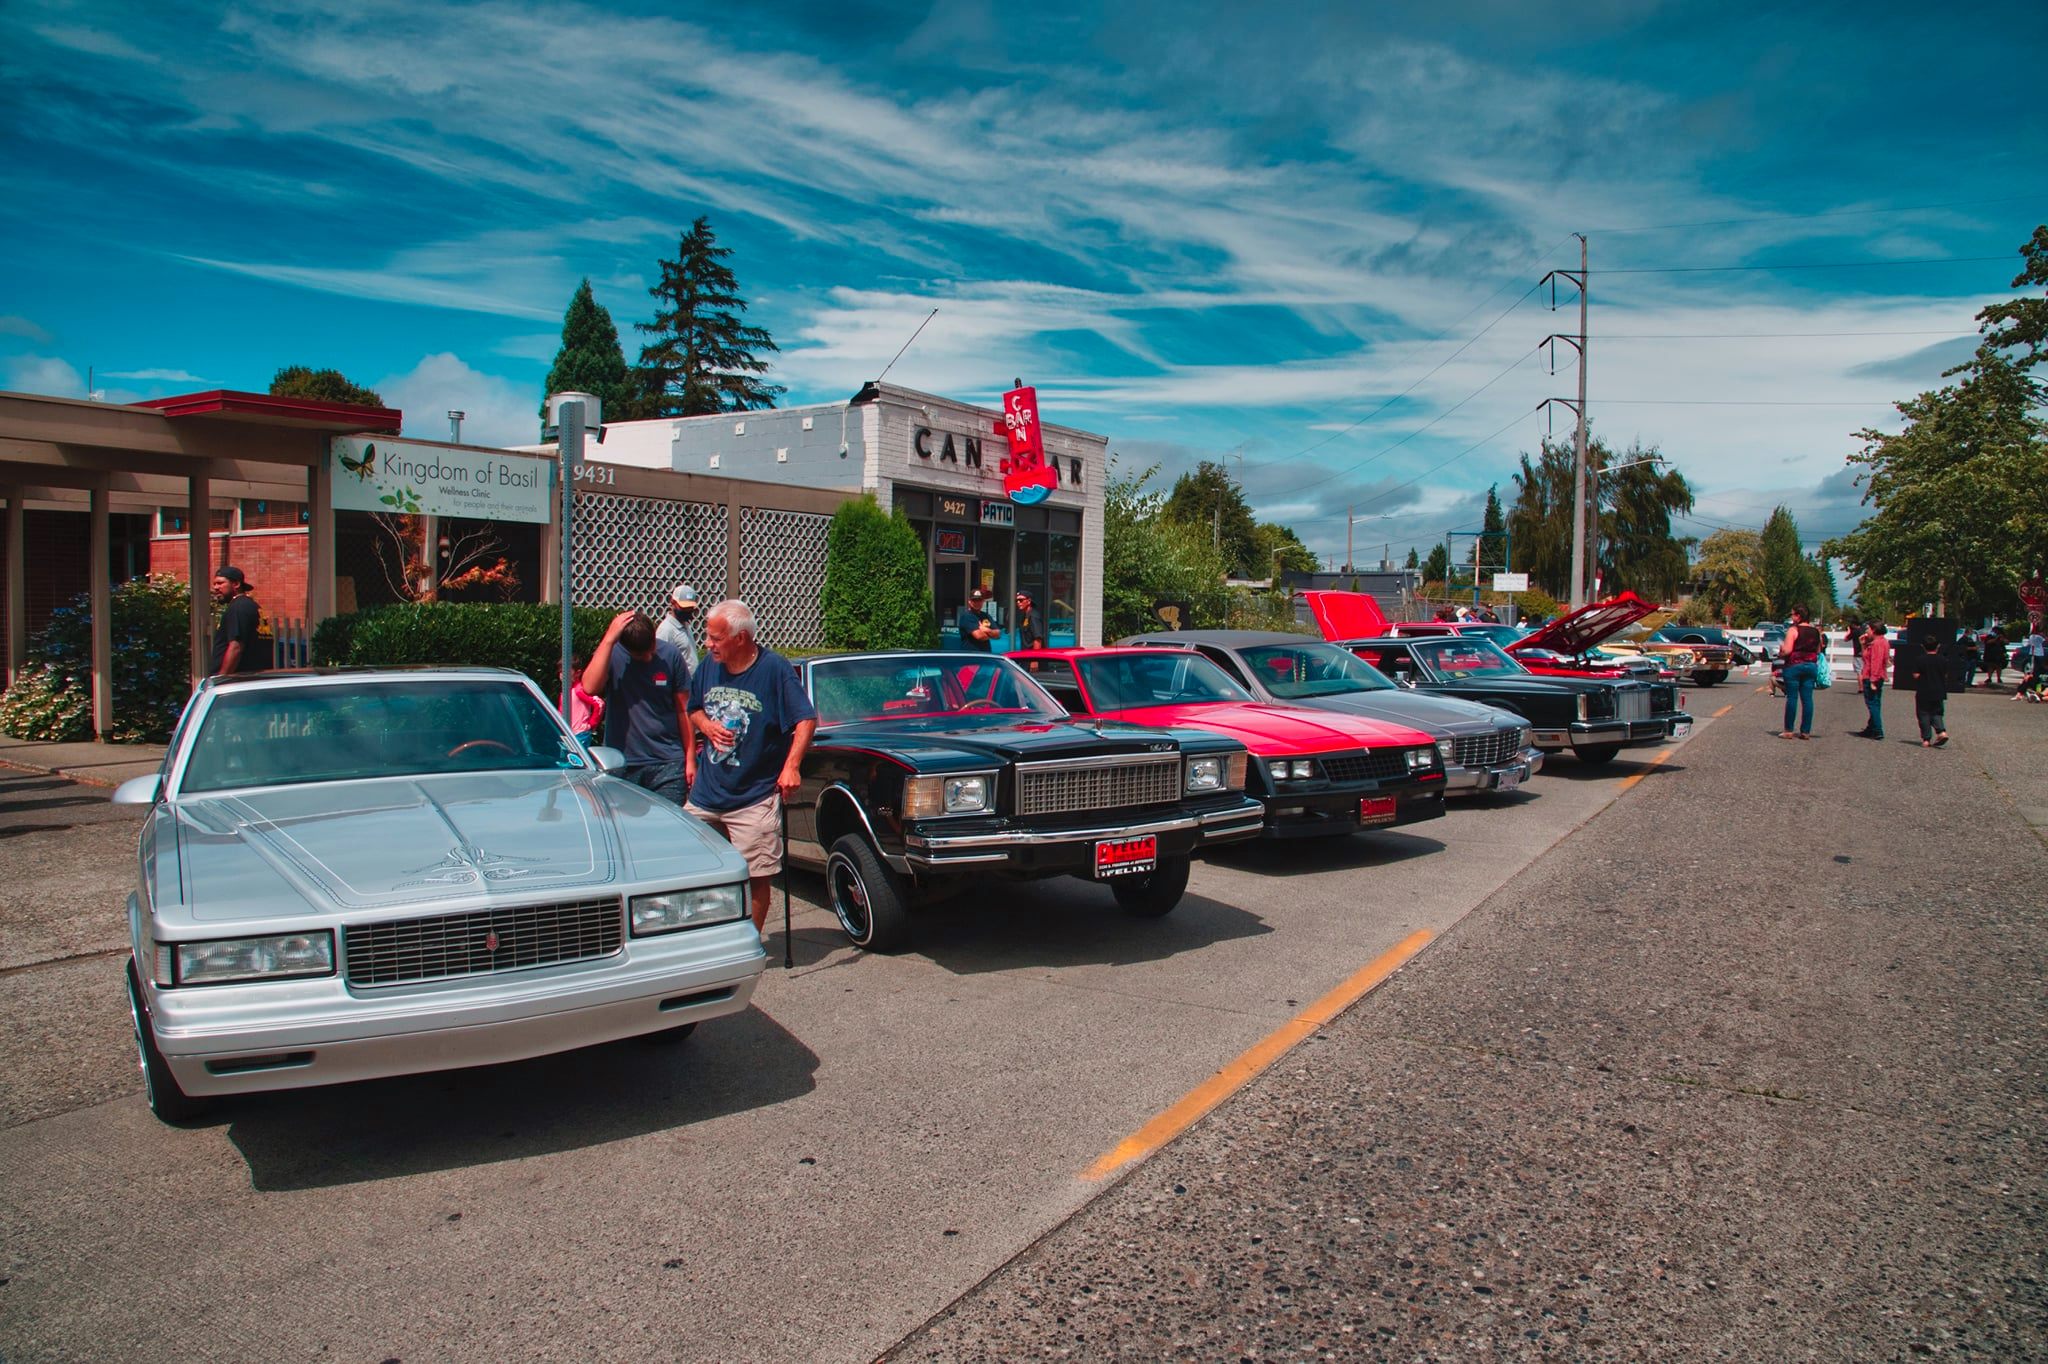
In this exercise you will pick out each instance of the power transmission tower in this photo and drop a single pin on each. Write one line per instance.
(1577, 281)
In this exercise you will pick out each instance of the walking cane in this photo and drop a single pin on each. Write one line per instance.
(788, 958)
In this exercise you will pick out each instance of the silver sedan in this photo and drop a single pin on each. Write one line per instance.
(359, 874)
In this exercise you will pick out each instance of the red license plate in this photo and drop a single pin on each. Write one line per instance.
(1377, 810)
(1126, 857)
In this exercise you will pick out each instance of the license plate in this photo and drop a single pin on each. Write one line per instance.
(1681, 729)
(1126, 857)
(1507, 779)
(1377, 810)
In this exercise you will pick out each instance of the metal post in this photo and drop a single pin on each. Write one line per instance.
(570, 450)
(1579, 451)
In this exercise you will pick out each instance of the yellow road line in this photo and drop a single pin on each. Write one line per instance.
(1190, 1107)
(1723, 711)
(1635, 777)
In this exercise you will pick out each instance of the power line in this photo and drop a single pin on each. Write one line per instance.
(1829, 213)
(1734, 336)
(1738, 402)
(1388, 492)
(1805, 265)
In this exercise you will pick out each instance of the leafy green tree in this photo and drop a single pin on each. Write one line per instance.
(1786, 581)
(1148, 558)
(321, 386)
(2022, 321)
(590, 361)
(1729, 572)
(1958, 514)
(877, 594)
(702, 357)
(1638, 551)
(1437, 567)
(1541, 519)
(1210, 499)
(1280, 550)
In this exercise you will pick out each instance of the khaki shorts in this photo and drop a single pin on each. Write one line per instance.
(756, 830)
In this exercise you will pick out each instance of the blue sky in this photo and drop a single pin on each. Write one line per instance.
(1237, 231)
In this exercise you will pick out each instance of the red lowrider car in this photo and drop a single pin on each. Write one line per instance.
(1318, 773)
(1569, 645)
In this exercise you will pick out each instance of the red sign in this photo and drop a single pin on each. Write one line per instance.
(1126, 857)
(1377, 810)
(1027, 478)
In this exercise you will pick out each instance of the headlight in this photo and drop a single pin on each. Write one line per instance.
(1445, 748)
(289, 954)
(1207, 774)
(1528, 736)
(925, 797)
(1421, 759)
(1277, 769)
(674, 909)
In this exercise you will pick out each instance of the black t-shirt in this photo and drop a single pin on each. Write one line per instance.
(969, 620)
(240, 620)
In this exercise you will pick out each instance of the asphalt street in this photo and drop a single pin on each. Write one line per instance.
(821, 1177)
(1749, 1068)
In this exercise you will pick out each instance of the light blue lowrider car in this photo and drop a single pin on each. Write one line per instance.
(356, 874)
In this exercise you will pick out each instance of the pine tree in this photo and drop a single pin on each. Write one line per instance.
(1413, 562)
(1437, 568)
(590, 360)
(702, 357)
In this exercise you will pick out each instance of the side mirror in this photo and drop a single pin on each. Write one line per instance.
(139, 790)
(607, 759)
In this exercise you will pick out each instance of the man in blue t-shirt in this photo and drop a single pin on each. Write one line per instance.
(753, 723)
(647, 709)
(974, 624)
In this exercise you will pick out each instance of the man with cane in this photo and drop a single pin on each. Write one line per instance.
(754, 723)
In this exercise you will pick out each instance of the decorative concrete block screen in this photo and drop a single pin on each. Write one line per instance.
(632, 551)
(782, 575)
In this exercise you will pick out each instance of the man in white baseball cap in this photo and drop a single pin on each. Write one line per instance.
(677, 626)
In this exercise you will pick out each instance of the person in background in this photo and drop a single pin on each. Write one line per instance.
(975, 625)
(678, 626)
(1994, 658)
(1873, 657)
(647, 704)
(1856, 638)
(1030, 635)
(1930, 697)
(586, 712)
(1803, 643)
(2034, 670)
(238, 639)
(1963, 660)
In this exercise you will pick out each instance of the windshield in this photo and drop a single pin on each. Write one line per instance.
(1155, 678)
(274, 736)
(924, 686)
(1499, 634)
(1294, 671)
(1465, 656)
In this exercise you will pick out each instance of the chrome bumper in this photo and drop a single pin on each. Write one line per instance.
(1460, 780)
(926, 851)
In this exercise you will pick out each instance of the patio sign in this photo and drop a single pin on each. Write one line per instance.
(407, 478)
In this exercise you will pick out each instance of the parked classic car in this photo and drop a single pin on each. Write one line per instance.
(1740, 655)
(1594, 718)
(1484, 748)
(355, 874)
(931, 770)
(1580, 644)
(1318, 774)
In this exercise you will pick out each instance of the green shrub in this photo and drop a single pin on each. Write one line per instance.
(519, 635)
(152, 674)
(878, 592)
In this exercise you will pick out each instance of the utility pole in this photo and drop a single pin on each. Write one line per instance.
(1350, 515)
(1578, 593)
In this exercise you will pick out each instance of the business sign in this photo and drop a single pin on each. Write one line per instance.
(998, 514)
(375, 474)
(955, 507)
(1027, 478)
(1511, 582)
(953, 541)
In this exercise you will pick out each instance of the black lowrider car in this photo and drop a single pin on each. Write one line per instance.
(1593, 718)
(930, 771)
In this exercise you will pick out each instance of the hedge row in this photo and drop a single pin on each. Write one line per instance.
(518, 635)
(52, 700)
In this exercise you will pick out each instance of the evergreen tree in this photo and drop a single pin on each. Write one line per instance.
(1210, 501)
(590, 361)
(321, 385)
(1786, 579)
(1413, 562)
(702, 357)
(877, 593)
(1437, 568)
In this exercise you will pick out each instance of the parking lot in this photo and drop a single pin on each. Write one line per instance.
(813, 1179)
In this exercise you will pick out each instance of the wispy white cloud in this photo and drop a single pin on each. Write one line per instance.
(158, 376)
(11, 325)
(498, 411)
(44, 374)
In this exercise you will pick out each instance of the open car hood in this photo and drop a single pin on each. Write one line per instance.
(1580, 630)
(1346, 615)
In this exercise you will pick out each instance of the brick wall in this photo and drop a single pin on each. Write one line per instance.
(274, 560)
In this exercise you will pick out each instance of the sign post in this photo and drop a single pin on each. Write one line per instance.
(570, 448)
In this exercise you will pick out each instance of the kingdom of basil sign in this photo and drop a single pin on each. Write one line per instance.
(376, 474)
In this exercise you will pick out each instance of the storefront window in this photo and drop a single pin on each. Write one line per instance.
(1063, 591)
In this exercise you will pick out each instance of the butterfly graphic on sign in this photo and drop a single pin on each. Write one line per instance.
(364, 467)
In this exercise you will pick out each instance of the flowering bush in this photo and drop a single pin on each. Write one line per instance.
(151, 668)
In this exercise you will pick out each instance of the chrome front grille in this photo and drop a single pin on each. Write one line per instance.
(1635, 704)
(482, 942)
(1375, 764)
(1053, 788)
(1487, 750)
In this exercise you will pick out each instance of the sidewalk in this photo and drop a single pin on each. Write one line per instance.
(1741, 1070)
(92, 763)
